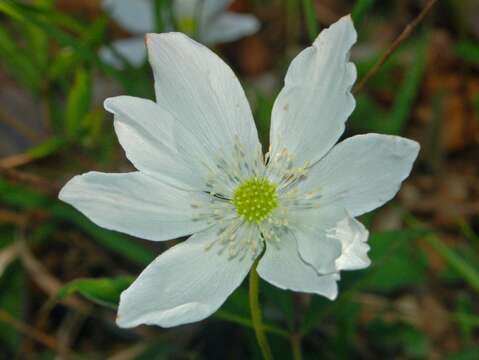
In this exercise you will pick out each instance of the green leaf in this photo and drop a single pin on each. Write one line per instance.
(46, 148)
(31, 15)
(396, 261)
(103, 291)
(398, 338)
(12, 287)
(461, 266)
(468, 51)
(37, 40)
(309, 11)
(17, 62)
(238, 303)
(392, 252)
(92, 123)
(67, 59)
(408, 91)
(278, 299)
(369, 115)
(415, 343)
(78, 103)
(466, 354)
(164, 15)
(347, 324)
(360, 9)
(264, 107)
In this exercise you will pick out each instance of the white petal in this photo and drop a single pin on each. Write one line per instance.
(158, 145)
(362, 172)
(136, 16)
(132, 49)
(183, 285)
(315, 245)
(133, 203)
(282, 266)
(353, 236)
(203, 94)
(310, 111)
(228, 27)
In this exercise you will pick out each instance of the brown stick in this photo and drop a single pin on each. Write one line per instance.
(46, 281)
(15, 160)
(31, 332)
(408, 30)
(36, 181)
(11, 217)
(19, 126)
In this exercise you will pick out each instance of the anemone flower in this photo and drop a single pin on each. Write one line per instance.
(201, 172)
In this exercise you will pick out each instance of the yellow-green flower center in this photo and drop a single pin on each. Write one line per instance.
(255, 199)
(187, 25)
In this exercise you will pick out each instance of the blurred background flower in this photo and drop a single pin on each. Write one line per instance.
(208, 21)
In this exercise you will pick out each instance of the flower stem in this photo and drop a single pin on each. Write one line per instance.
(296, 346)
(256, 312)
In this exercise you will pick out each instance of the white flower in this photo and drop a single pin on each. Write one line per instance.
(201, 171)
(208, 20)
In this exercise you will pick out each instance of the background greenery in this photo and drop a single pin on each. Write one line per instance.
(60, 275)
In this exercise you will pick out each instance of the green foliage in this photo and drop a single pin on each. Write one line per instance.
(45, 149)
(360, 9)
(397, 261)
(104, 291)
(395, 264)
(77, 103)
(309, 11)
(468, 51)
(28, 199)
(408, 90)
(399, 337)
(18, 61)
(12, 291)
(370, 116)
(263, 110)
(468, 354)
(467, 272)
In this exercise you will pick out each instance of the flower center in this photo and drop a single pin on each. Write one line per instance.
(255, 199)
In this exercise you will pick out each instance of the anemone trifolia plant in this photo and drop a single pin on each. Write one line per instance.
(201, 171)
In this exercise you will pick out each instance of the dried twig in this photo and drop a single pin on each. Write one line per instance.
(408, 30)
(131, 352)
(12, 217)
(15, 160)
(46, 281)
(36, 181)
(7, 255)
(18, 125)
(29, 331)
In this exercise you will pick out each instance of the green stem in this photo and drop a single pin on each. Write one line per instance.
(296, 346)
(256, 312)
